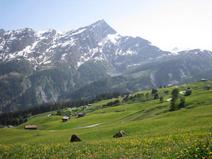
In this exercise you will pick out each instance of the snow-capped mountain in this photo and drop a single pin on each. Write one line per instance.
(48, 66)
(96, 42)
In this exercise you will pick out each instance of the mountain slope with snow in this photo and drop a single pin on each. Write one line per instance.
(97, 42)
(48, 66)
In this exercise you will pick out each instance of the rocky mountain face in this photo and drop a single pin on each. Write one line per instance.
(48, 66)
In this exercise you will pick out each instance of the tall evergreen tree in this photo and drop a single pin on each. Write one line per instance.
(173, 103)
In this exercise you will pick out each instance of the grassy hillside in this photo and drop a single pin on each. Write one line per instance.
(152, 130)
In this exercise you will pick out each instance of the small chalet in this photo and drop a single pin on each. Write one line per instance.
(80, 114)
(65, 118)
(203, 80)
(31, 127)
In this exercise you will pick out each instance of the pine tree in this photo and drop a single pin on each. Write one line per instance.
(173, 103)
(161, 99)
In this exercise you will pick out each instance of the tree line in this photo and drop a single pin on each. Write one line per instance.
(19, 117)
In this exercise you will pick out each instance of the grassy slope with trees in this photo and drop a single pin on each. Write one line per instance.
(156, 128)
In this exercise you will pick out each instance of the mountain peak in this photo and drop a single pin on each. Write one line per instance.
(102, 25)
(100, 22)
(98, 30)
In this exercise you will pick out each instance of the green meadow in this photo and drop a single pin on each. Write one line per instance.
(152, 130)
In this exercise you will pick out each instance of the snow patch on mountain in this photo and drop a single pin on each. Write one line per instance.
(96, 42)
(79, 31)
(112, 38)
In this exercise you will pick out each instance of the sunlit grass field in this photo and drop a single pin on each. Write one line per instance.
(152, 130)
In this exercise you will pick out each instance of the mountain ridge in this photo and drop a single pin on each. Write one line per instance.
(47, 66)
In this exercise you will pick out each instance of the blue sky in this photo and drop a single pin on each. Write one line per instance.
(63, 14)
(166, 23)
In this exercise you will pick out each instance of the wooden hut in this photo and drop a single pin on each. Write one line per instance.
(31, 127)
(203, 80)
(80, 114)
(65, 118)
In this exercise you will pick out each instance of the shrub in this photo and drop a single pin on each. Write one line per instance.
(173, 103)
(126, 98)
(156, 96)
(182, 103)
(166, 92)
(175, 93)
(59, 112)
(161, 99)
(113, 103)
(188, 92)
(154, 91)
